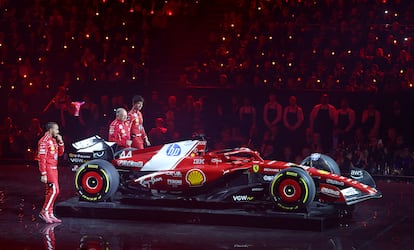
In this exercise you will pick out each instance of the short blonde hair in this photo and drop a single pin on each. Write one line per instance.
(120, 111)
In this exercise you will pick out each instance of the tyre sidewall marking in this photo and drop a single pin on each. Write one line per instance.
(305, 185)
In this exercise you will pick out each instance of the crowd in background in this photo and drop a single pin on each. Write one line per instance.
(83, 44)
(74, 62)
(355, 133)
(347, 45)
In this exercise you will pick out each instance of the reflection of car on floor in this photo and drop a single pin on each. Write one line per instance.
(185, 170)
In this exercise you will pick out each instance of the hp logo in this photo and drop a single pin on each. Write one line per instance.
(173, 150)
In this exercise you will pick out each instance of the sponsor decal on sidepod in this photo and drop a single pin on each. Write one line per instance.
(174, 174)
(79, 156)
(195, 177)
(152, 181)
(242, 198)
(215, 160)
(77, 160)
(198, 161)
(125, 163)
(268, 177)
(174, 183)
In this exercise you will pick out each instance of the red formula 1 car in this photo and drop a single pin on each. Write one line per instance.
(185, 170)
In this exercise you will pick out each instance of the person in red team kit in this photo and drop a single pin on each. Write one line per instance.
(50, 147)
(138, 135)
(119, 129)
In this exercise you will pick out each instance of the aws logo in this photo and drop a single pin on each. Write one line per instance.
(357, 174)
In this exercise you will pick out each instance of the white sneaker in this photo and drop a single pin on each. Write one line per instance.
(45, 216)
(54, 219)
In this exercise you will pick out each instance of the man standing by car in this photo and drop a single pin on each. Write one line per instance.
(138, 134)
(119, 129)
(322, 120)
(50, 147)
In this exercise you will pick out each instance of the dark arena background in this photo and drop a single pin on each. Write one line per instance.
(223, 69)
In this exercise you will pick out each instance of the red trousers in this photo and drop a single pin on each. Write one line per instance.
(137, 142)
(52, 190)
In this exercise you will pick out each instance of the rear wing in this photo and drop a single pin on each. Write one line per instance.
(91, 144)
(90, 148)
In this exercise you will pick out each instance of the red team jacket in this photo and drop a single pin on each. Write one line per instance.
(48, 153)
(119, 132)
(137, 127)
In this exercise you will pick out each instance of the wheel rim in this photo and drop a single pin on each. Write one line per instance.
(289, 190)
(92, 182)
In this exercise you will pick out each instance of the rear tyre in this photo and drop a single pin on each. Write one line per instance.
(292, 190)
(322, 162)
(96, 180)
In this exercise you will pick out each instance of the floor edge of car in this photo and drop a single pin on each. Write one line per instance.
(315, 220)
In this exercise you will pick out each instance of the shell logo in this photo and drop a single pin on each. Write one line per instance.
(195, 177)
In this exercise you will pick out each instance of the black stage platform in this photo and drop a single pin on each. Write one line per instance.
(207, 213)
(385, 223)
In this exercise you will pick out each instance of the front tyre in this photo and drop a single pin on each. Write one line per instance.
(292, 190)
(96, 180)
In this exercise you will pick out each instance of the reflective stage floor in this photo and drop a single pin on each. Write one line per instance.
(385, 223)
